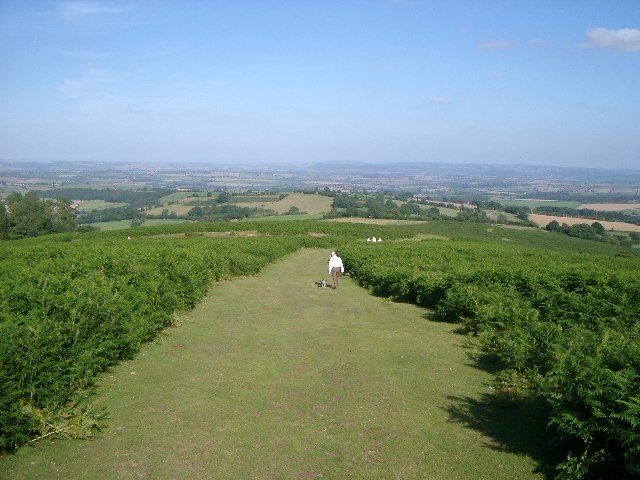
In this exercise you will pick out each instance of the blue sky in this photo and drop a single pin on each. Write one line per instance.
(510, 82)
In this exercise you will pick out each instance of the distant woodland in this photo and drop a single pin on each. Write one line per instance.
(28, 216)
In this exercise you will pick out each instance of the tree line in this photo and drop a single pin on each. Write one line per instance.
(595, 231)
(28, 216)
(589, 213)
(135, 198)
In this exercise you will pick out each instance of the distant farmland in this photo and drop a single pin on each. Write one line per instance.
(89, 205)
(533, 203)
(611, 207)
(544, 220)
(309, 203)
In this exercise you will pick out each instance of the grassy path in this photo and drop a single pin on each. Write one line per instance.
(271, 377)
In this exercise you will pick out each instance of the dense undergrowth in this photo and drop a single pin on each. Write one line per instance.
(70, 309)
(566, 327)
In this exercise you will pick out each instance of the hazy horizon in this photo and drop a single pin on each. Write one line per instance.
(282, 82)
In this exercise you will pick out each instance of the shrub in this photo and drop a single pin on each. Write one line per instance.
(566, 327)
(69, 310)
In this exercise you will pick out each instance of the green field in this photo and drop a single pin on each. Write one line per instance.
(449, 212)
(89, 205)
(532, 203)
(113, 225)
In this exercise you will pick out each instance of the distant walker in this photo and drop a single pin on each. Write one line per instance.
(336, 268)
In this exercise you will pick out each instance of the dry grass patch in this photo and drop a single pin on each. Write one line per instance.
(309, 203)
(175, 207)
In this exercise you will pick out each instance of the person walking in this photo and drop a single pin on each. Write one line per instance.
(336, 268)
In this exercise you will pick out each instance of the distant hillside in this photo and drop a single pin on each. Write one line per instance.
(481, 170)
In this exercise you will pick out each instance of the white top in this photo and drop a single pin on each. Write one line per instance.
(335, 261)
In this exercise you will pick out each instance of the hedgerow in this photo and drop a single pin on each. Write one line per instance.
(565, 326)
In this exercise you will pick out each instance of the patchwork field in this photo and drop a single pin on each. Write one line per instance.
(305, 202)
(544, 220)
(533, 203)
(312, 204)
(176, 197)
(178, 208)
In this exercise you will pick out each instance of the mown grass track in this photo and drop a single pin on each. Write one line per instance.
(273, 377)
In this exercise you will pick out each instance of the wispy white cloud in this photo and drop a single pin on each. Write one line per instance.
(625, 39)
(80, 9)
(440, 100)
(496, 46)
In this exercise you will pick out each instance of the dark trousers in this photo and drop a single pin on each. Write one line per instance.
(335, 273)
